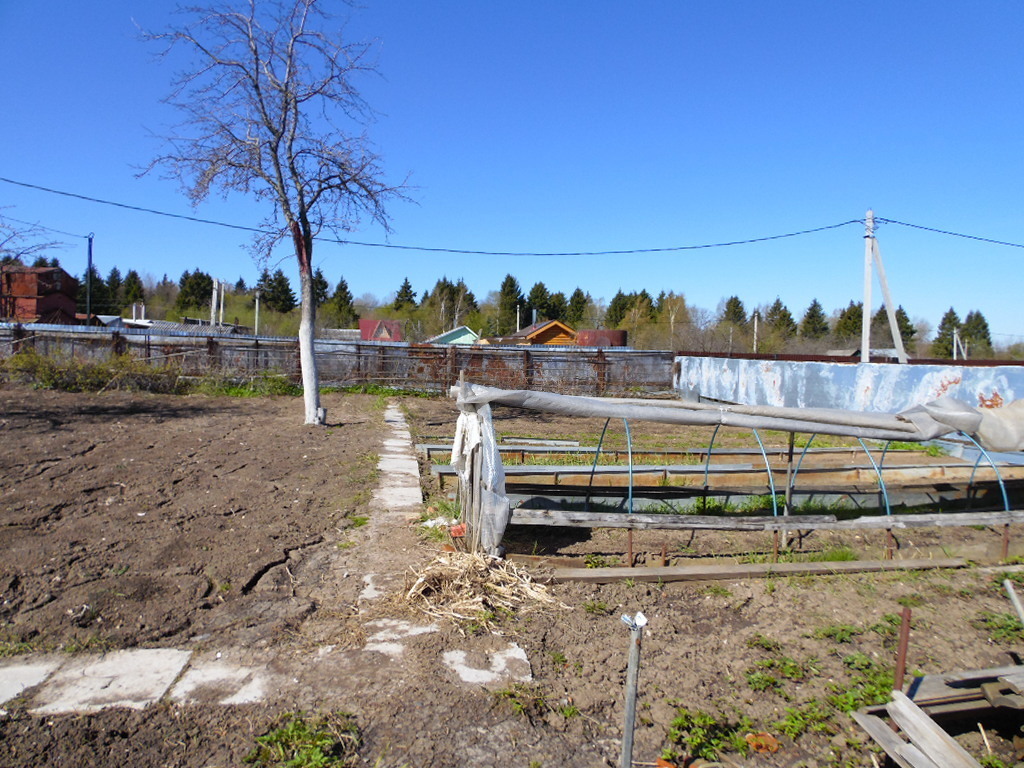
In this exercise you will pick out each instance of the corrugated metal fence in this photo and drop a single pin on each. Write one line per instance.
(571, 370)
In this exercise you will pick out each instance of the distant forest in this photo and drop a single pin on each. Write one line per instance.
(664, 320)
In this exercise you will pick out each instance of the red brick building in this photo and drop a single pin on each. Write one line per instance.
(37, 295)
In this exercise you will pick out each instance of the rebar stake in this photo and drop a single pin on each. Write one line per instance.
(636, 627)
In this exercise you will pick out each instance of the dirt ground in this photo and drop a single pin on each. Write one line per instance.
(134, 520)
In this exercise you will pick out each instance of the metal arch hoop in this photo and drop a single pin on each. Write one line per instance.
(982, 453)
(878, 474)
(597, 455)
(771, 478)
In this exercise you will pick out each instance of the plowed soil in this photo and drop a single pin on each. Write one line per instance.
(132, 520)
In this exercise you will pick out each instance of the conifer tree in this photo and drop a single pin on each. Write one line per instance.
(734, 312)
(406, 296)
(195, 290)
(341, 305)
(577, 309)
(320, 287)
(510, 296)
(942, 346)
(848, 326)
(538, 299)
(814, 324)
(975, 334)
(780, 321)
(134, 293)
(115, 291)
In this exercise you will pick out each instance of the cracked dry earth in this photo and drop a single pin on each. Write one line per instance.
(176, 572)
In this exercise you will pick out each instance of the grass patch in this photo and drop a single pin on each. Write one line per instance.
(327, 741)
(1001, 627)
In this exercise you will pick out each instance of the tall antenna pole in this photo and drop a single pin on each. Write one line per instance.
(865, 326)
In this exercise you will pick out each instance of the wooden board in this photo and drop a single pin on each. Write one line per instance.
(885, 737)
(639, 521)
(747, 570)
(558, 517)
(923, 732)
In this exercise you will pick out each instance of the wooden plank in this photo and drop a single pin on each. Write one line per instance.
(747, 570)
(639, 521)
(915, 757)
(1015, 680)
(922, 731)
(758, 523)
(884, 736)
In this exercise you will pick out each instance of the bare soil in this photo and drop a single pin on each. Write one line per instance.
(133, 520)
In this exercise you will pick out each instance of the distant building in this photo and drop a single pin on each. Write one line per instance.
(601, 337)
(380, 330)
(37, 295)
(460, 335)
(551, 332)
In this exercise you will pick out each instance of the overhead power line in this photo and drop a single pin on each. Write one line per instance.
(952, 234)
(37, 225)
(470, 252)
(427, 249)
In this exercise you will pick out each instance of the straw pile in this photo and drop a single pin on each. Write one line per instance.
(465, 587)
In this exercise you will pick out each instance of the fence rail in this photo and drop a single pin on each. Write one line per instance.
(570, 370)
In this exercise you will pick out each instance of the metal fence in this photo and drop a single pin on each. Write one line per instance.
(571, 370)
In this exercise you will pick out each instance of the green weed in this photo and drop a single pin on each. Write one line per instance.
(1002, 627)
(764, 643)
(716, 590)
(591, 560)
(870, 683)
(596, 607)
(328, 741)
(704, 736)
(812, 717)
(841, 633)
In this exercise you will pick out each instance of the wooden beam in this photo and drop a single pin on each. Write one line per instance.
(636, 520)
(557, 517)
(747, 570)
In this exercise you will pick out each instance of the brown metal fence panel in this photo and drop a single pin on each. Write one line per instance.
(570, 370)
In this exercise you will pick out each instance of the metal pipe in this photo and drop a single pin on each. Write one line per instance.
(901, 650)
(636, 627)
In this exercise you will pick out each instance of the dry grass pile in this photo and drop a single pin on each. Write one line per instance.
(465, 587)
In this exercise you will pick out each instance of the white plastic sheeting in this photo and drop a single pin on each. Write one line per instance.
(996, 428)
(488, 516)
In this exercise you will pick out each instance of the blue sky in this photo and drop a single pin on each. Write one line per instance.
(586, 126)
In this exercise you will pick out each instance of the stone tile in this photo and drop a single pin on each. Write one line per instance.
(131, 679)
(17, 676)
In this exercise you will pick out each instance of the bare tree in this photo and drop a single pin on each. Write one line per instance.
(263, 99)
(22, 240)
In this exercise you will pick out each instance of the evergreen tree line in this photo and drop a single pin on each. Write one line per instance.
(664, 321)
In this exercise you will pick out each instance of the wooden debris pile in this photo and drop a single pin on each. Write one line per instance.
(468, 587)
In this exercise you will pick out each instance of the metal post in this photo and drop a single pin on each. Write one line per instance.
(865, 326)
(636, 627)
(88, 282)
(213, 302)
(901, 650)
